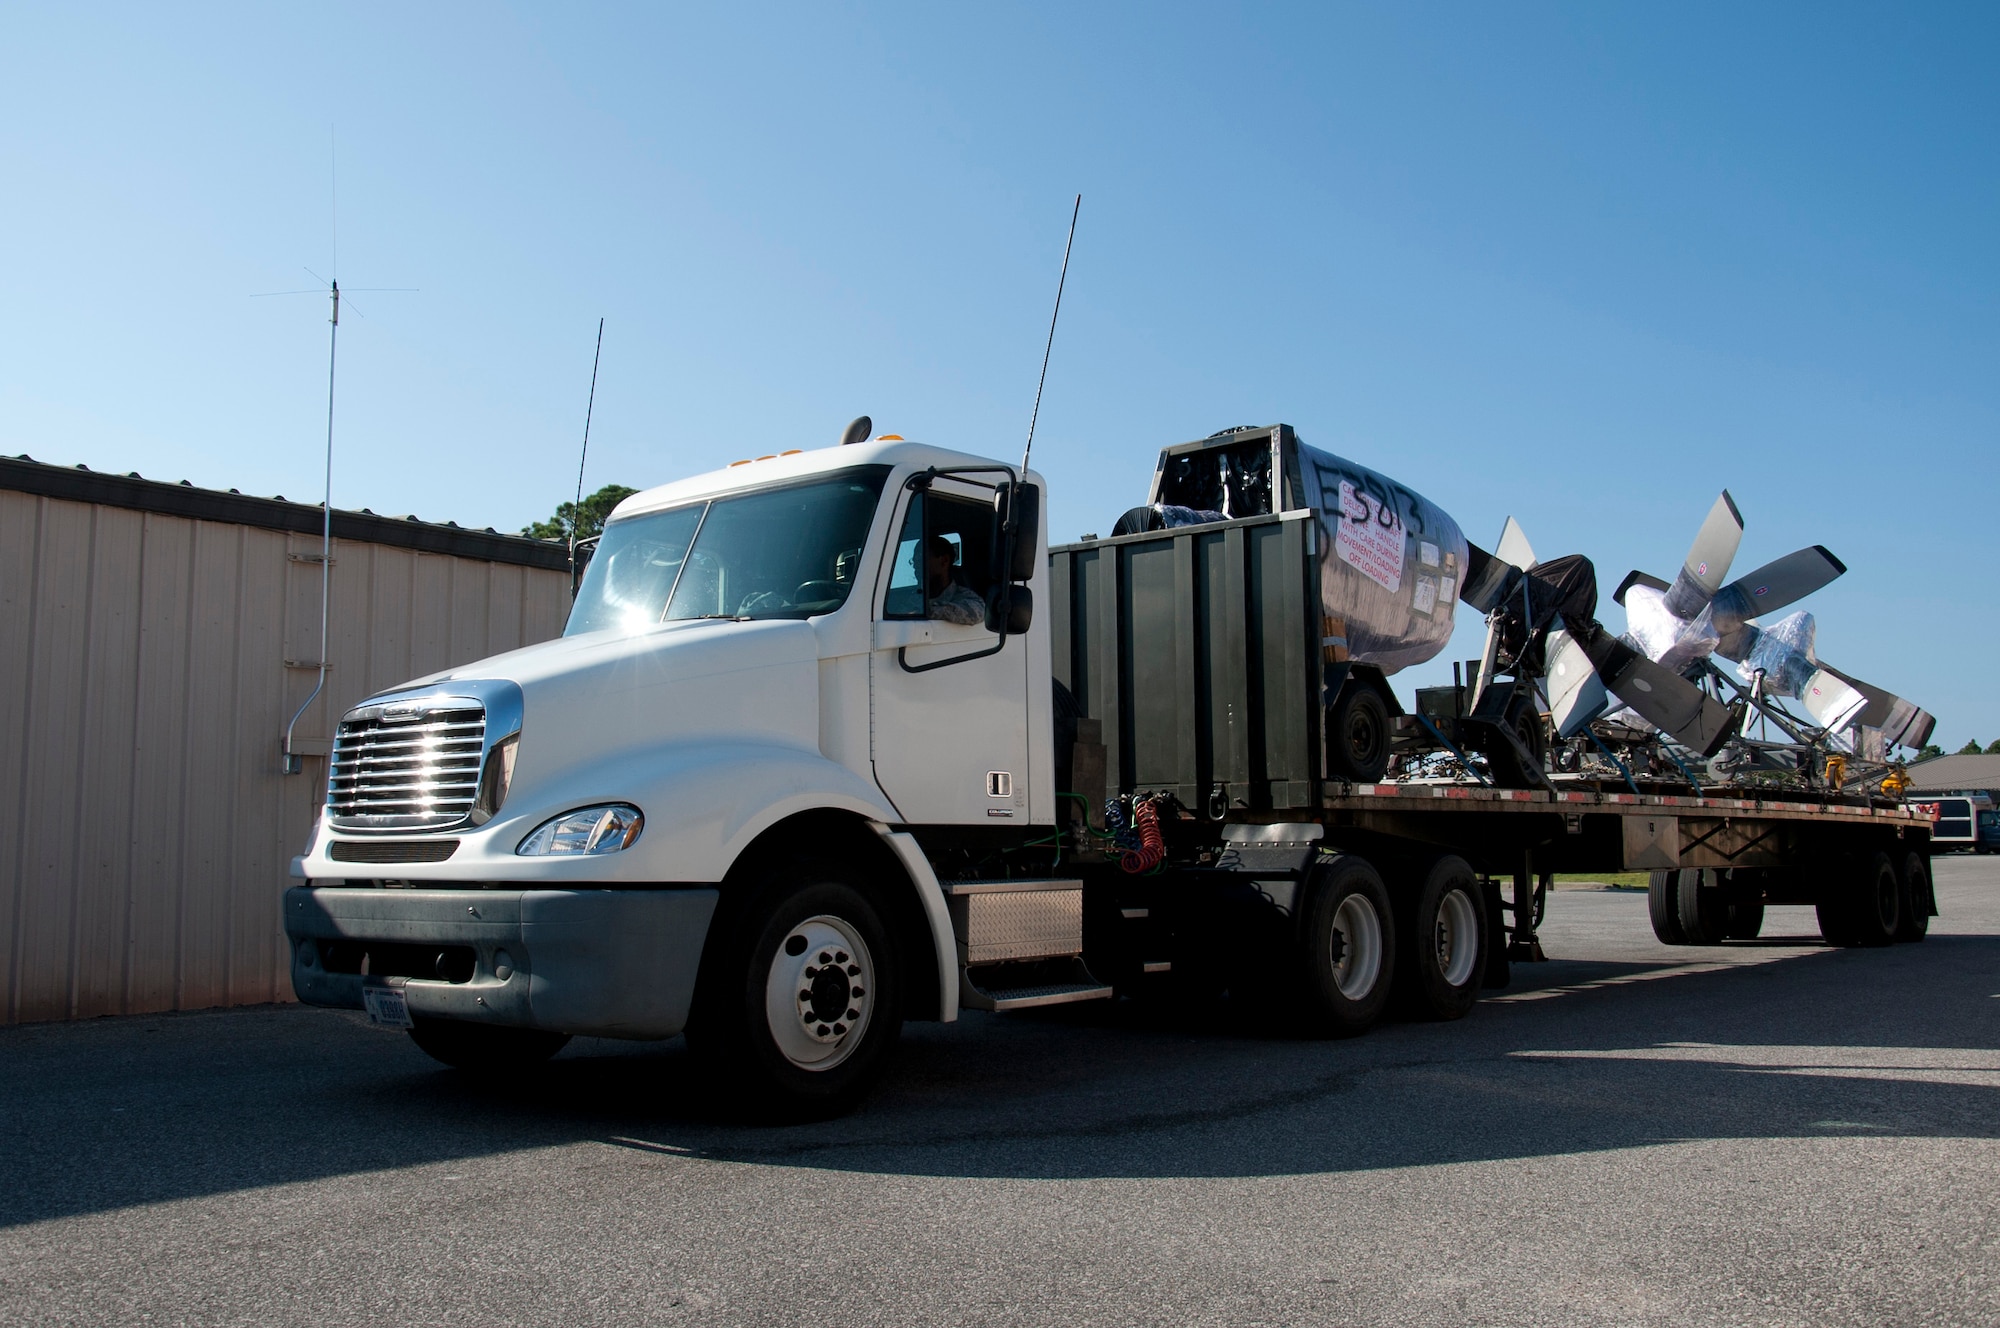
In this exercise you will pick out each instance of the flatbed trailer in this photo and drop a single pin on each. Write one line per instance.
(1200, 666)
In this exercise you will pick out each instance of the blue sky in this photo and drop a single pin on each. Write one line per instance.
(1583, 264)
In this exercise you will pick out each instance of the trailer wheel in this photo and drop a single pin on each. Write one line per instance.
(1499, 972)
(1703, 909)
(1358, 735)
(1746, 922)
(1443, 961)
(1918, 902)
(1347, 967)
(1664, 907)
(1862, 906)
(799, 1002)
(485, 1048)
(1509, 771)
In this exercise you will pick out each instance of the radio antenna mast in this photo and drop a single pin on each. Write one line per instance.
(576, 512)
(293, 762)
(1052, 337)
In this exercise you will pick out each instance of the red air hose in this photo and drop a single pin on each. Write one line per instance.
(1152, 850)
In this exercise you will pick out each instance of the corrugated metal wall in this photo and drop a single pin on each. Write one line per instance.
(148, 665)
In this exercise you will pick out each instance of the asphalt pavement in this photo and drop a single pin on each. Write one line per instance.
(1764, 1133)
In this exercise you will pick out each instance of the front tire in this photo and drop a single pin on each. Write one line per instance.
(800, 1001)
(1347, 961)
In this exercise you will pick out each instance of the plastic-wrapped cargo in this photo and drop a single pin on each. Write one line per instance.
(1390, 561)
(1783, 653)
(1662, 637)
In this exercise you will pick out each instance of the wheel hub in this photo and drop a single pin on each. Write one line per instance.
(1356, 947)
(1456, 937)
(820, 992)
(828, 1001)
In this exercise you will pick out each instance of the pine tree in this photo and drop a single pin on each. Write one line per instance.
(594, 511)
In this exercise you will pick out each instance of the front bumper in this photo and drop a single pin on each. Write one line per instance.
(606, 963)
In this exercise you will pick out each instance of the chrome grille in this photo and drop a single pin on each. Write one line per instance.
(407, 765)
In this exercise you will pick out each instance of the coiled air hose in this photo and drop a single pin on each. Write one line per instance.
(1152, 850)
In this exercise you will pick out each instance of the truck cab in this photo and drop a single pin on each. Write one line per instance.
(773, 678)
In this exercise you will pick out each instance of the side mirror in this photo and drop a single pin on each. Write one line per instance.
(585, 549)
(1020, 604)
(1022, 505)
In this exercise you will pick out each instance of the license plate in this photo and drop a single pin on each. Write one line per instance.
(386, 1007)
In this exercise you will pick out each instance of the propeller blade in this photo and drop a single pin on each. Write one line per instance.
(1902, 722)
(1661, 697)
(1576, 693)
(1637, 579)
(1831, 702)
(1486, 579)
(1774, 585)
(1708, 559)
(1514, 548)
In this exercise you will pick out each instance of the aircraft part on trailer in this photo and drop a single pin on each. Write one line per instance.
(1391, 563)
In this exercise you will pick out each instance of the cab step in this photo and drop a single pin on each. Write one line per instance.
(1020, 943)
(1038, 984)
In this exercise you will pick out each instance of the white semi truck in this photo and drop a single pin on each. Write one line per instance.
(765, 791)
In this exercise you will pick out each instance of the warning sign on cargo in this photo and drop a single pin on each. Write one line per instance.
(1370, 538)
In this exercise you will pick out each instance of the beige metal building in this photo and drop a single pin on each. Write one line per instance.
(154, 641)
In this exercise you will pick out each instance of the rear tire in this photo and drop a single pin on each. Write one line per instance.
(1918, 902)
(1499, 970)
(1746, 922)
(800, 998)
(1346, 964)
(1663, 906)
(1704, 912)
(1863, 906)
(1442, 963)
(485, 1048)
(1358, 735)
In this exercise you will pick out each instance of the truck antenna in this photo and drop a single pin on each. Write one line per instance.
(292, 761)
(1052, 337)
(590, 408)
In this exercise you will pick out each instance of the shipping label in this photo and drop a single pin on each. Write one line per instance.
(1370, 538)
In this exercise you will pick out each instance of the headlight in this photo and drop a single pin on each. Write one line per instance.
(606, 828)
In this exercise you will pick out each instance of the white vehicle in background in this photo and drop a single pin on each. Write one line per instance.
(1959, 821)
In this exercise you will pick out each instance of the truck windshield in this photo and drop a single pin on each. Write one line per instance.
(788, 552)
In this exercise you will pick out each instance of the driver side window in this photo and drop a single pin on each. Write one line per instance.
(906, 585)
(941, 567)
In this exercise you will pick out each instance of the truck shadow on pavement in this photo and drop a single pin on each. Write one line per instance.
(1581, 1057)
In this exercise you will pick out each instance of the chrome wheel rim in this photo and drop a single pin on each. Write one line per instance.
(1357, 947)
(1457, 937)
(820, 992)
